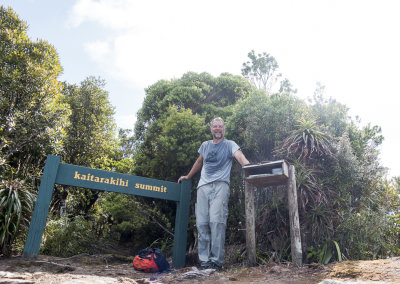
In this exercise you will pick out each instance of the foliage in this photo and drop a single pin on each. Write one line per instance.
(30, 97)
(126, 143)
(64, 237)
(324, 254)
(373, 231)
(201, 93)
(337, 173)
(260, 121)
(89, 137)
(306, 141)
(125, 213)
(261, 71)
(172, 147)
(286, 87)
(132, 220)
(332, 117)
(16, 205)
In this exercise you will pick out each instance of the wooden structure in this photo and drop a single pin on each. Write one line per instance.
(268, 174)
(66, 174)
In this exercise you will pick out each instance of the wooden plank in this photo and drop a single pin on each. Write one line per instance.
(271, 164)
(181, 225)
(250, 224)
(264, 180)
(39, 216)
(295, 237)
(267, 173)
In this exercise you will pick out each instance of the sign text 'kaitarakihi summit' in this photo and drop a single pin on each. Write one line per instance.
(117, 182)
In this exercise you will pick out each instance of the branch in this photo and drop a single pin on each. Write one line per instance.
(155, 221)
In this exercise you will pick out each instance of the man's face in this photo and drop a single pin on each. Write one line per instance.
(218, 129)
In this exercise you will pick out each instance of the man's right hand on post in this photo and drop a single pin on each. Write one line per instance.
(181, 178)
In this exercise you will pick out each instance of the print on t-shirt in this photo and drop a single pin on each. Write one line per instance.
(212, 156)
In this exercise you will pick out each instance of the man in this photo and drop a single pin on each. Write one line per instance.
(215, 162)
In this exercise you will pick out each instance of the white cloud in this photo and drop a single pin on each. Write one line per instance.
(98, 50)
(108, 13)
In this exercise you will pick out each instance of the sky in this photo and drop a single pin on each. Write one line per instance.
(352, 47)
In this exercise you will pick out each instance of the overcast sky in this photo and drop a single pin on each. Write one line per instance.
(352, 47)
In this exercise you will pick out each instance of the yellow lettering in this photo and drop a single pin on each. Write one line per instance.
(118, 181)
(137, 185)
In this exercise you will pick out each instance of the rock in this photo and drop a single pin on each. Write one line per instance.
(196, 273)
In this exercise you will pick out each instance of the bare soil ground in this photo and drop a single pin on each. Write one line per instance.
(118, 269)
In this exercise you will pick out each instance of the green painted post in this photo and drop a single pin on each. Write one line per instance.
(181, 225)
(39, 216)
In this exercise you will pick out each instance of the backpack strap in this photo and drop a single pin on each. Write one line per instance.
(146, 254)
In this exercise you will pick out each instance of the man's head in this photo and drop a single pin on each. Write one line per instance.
(217, 127)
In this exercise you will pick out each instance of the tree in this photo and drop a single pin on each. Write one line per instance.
(90, 135)
(259, 122)
(175, 138)
(32, 114)
(261, 70)
(201, 93)
(286, 87)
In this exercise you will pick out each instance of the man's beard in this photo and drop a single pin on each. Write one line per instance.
(218, 135)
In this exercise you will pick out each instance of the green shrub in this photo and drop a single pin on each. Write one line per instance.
(64, 237)
(367, 235)
(16, 205)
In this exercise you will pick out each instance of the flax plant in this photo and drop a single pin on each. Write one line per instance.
(16, 205)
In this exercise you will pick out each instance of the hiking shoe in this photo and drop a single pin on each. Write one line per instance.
(215, 266)
(205, 265)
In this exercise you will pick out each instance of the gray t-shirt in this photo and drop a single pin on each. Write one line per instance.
(217, 161)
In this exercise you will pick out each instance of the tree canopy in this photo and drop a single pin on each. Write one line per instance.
(32, 113)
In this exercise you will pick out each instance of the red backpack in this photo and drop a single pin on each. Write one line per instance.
(150, 260)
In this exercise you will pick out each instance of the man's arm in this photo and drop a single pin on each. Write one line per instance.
(196, 167)
(241, 158)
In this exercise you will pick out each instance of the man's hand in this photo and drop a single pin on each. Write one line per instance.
(181, 178)
(196, 167)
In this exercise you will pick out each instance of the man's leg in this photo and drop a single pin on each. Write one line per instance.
(218, 217)
(202, 223)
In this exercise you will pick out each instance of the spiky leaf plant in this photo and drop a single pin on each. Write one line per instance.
(16, 205)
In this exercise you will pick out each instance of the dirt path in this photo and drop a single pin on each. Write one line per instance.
(111, 269)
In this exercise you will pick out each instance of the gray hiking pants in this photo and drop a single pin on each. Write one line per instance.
(211, 216)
